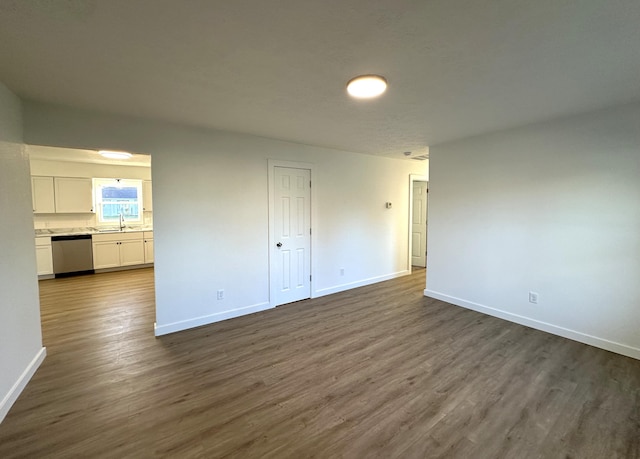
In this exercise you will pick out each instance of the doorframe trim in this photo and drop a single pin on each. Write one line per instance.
(271, 165)
(415, 178)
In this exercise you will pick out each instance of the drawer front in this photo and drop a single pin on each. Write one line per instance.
(117, 237)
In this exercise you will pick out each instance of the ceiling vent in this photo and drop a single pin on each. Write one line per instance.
(421, 158)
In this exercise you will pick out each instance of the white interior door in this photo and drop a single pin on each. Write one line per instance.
(419, 224)
(292, 234)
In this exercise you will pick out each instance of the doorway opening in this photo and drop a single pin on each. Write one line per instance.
(107, 202)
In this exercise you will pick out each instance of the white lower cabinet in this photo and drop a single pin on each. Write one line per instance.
(118, 249)
(44, 257)
(105, 254)
(148, 246)
(132, 252)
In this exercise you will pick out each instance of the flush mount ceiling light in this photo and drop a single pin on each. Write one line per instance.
(115, 154)
(366, 86)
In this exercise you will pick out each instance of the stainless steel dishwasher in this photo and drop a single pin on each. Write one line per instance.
(72, 255)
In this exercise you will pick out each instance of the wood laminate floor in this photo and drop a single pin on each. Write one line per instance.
(379, 371)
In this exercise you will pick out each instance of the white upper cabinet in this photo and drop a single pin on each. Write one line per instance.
(147, 202)
(73, 195)
(42, 195)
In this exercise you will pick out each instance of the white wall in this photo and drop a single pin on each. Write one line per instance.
(78, 169)
(223, 178)
(21, 350)
(552, 208)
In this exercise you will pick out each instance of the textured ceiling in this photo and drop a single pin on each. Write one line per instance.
(84, 156)
(278, 68)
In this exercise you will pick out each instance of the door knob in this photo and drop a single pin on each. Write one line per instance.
(279, 244)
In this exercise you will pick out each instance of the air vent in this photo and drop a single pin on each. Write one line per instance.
(421, 158)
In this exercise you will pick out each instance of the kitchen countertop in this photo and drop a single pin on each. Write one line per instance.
(90, 230)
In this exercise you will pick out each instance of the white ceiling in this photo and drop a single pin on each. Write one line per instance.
(278, 68)
(84, 156)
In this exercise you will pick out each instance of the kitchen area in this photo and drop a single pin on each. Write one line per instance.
(92, 211)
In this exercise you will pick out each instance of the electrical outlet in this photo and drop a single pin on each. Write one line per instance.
(342, 271)
(533, 297)
(220, 294)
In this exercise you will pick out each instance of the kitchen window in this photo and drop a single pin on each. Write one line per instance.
(118, 199)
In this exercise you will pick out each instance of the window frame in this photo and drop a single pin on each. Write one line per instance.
(100, 183)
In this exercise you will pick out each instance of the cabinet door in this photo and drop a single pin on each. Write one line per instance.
(148, 250)
(73, 195)
(42, 195)
(132, 252)
(106, 255)
(147, 201)
(44, 259)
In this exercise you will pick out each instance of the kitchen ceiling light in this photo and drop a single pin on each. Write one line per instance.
(115, 154)
(366, 86)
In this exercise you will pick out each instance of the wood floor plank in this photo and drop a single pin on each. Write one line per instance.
(379, 371)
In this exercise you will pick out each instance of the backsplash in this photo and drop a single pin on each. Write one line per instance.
(52, 221)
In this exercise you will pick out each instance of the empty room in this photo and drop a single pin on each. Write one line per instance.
(320, 229)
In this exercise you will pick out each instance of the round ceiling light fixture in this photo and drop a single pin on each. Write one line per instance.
(366, 86)
(115, 154)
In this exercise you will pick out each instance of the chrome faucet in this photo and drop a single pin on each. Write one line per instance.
(121, 221)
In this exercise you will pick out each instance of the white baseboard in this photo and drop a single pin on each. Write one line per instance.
(209, 319)
(591, 340)
(356, 284)
(165, 329)
(15, 391)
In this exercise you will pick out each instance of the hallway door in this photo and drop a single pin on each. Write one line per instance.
(419, 224)
(292, 235)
